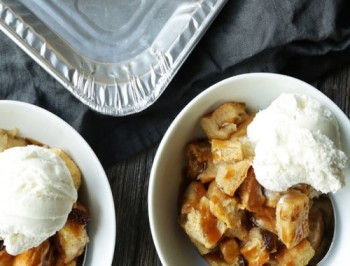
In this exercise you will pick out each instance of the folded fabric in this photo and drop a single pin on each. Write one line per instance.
(301, 38)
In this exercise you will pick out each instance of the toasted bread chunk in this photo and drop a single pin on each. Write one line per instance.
(230, 251)
(242, 127)
(200, 161)
(254, 250)
(292, 214)
(202, 226)
(209, 174)
(308, 190)
(60, 262)
(247, 148)
(222, 123)
(251, 194)
(9, 139)
(192, 196)
(265, 218)
(228, 151)
(72, 263)
(299, 255)
(231, 176)
(226, 209)
(200, 247)
(71, 240)
(271, 198)
(241, 233)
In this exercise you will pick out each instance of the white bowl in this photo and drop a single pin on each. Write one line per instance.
(257, 90)
(47, 128)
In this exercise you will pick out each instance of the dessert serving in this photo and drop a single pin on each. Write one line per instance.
(256, 185)
(42, 220)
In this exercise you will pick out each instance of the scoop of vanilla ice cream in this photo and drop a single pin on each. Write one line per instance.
(296, 140)
(36, 196)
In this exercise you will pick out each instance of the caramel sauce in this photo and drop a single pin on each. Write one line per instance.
(230, 250)
(255, 256)
(5, 258)
(214, 199)
(210, 226)
(251, 193)
(230, 172)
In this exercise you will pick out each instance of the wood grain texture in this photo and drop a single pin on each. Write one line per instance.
(129, 182)
(336, 86)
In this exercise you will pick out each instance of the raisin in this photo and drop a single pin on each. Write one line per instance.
(79, 216)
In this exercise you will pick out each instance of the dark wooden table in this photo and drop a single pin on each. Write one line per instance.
(129, 182)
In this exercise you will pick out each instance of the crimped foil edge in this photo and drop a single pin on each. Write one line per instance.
(117, 98)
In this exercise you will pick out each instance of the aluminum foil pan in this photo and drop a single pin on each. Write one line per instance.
(117, 57)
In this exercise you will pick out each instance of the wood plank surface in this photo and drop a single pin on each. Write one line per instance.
(129, 182)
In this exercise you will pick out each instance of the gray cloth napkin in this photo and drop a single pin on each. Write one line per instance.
(301, 38)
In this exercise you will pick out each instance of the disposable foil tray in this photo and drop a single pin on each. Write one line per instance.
(117, 57)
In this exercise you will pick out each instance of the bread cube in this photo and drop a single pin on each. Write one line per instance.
(231, 176)
(239, 232)
(226, 209)
(271, 197)
(192, 196)
(9, 139)
(307, 190)
(292, 212)
(247, 148)
(250, 193)
(265, 218)
(230, 252)
(254, 250)
(71, 240)
(242, 127)
(200, 162)
(228, 151)
(299, 255)
(223, 121)
(203, 228)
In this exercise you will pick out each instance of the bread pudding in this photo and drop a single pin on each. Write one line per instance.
(48, 220)
(230, 217)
